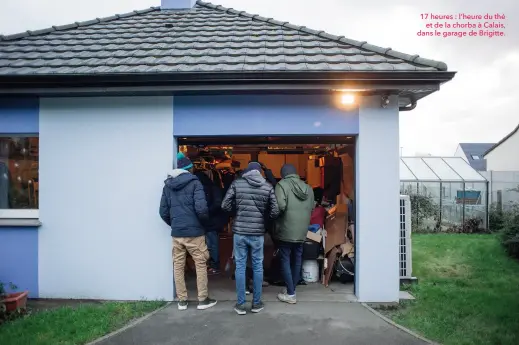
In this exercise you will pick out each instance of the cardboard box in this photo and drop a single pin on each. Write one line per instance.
(314, 236)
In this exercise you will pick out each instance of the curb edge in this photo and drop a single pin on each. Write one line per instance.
(402, 328)
(130, 325)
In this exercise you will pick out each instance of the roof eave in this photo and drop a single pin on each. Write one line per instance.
(501, 141)
(282, 79)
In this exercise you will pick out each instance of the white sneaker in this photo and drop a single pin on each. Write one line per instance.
(182, 305)
(286, 298)
(206, 304)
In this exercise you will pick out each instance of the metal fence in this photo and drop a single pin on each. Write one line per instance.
(438, 206)
(503, 187)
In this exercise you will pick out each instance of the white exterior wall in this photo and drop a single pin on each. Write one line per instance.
(505, 157)
(102, 166)
(377, 202)
(459, 153)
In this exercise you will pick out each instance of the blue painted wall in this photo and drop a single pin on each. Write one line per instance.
(19, 245)
(19, 257)
(19, 115)
(261, 115)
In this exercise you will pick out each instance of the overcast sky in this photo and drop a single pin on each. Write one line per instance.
(479, 105)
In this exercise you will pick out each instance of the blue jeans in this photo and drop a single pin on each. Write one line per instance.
(291, 255)
(213, 244)
(242, 245)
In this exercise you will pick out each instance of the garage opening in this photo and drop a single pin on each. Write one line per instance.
(326, 163)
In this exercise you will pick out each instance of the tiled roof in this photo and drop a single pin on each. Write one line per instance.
(476, 149)
(207, 38)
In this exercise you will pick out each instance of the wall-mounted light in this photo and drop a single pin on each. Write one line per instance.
(347, 99)
(384, 101)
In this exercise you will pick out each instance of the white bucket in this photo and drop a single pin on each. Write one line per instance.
(310, 271)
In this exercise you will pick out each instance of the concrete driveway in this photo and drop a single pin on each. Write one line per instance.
(306, 323)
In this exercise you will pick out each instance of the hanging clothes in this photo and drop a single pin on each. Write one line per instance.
(209, 174)
(5, 175)
(4, 185)
(217, 178)
(224, 165)
(228, 177)
(331, 177)
(318, 216)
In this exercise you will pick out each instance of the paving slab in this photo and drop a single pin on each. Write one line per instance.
(223, 288)
(306, 323)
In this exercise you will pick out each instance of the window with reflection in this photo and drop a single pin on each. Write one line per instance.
(19, 185)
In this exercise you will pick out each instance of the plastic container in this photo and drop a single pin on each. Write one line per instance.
(311, 250)
(310, 271)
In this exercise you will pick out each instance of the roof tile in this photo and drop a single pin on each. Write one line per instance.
(207, 38)
(296, 66)
(319, 66)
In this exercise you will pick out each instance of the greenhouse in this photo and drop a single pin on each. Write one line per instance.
(447, 194)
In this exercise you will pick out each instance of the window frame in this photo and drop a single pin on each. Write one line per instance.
(21, 213)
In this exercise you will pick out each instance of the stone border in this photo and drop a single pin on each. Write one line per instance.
(130, 325)
(402, 328)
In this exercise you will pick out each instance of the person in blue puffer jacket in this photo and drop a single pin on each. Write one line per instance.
(183, 207)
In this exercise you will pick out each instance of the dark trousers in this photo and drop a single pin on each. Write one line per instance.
(212, 238)
(291, 255)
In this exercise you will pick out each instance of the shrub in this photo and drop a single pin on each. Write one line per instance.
(3, 292)
(471, 226)
(510, 235)
(422, 209)
(496, 218)
(4, 316)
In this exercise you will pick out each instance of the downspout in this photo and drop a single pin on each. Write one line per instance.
(441, 207)
(487, 204)
(410, 107)
(463, 213)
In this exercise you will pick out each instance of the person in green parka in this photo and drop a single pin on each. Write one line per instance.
(296, 202)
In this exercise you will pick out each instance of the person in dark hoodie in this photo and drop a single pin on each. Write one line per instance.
(183, 207)
(216, 221)
(296, 202)
(251, 197)
(269, 175)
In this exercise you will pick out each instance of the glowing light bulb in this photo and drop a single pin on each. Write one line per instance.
(347, 99)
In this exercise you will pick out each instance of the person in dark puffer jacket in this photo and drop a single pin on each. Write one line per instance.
(183, 207)
(252, 198)
(217, 220)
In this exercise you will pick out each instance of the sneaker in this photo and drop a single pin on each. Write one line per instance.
(212, 271)
(284, 297)
(256, 308)
(247, 292)
(182, 305)
(206, 304)
(240, 309)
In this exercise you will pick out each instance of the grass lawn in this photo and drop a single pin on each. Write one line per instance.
(71, 326)
(468, 291)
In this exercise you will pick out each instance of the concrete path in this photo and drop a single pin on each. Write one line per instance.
(306, 323)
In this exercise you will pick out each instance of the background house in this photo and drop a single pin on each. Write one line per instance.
(504, 156)
(473, 154)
